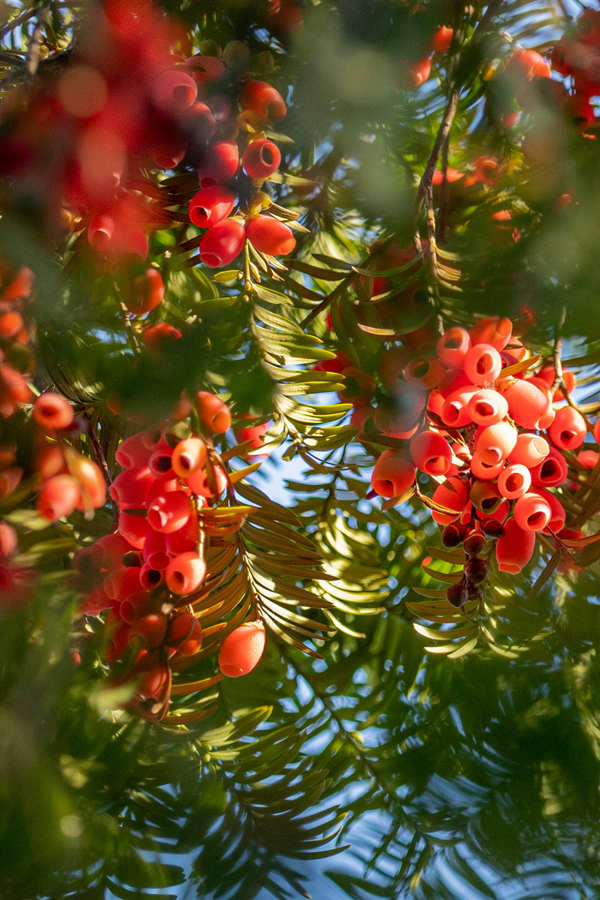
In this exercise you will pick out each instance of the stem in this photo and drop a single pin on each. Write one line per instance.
(100, 460)
(131, 334)
(325, 302)
(17, 21)
(425, 190)
(33, 50)
(247, 276)
(444, 194)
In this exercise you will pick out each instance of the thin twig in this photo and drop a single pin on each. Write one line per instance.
(325, 302)
(132, 337)
(17, 21)
(425, 191)
(444, 193)
(35, 44)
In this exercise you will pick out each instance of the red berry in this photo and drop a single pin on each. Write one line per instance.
(242, 650)
(11, 323)
(454, 495)
(271, 236)
(100, 232)
(482, 364)
(153, 680)
(185, 573)
(200, 484)
(169, 152)
(263, 99)
(185, 634)
(148, 292)
(261, 158)
(8, 540)
(210, 205)
(59, 497)
(152, 628)
(431, 453)
(53, 411)
(159, 335)
(222, 243)
(420, 71)
(514, 548)
(174, 89)
(569, 429)
(532, 512)
(530, 64)
(213, 412)
(50, 461)
(169, 512)
(453, 346)
(188, 456)
(393, 474)
(134, 529)
(201, 122)
(90, 480)
(132, 452)
(221, 163)
(442, 39)
(205, 68)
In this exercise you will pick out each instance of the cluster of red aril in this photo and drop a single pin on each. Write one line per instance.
(577, 56)
(151, 569)
(495, 435)
(239, 158)
(69, 480)
(105, 116)
(16, 358)
(420, 71)
(130, 102)
(16, 363)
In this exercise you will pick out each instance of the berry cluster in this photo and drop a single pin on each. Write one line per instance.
(70, 480)
(16, 359)
(232, 172)
(441, 41)
(16, 364)
(149, 572)
(15, 580)
(106, 113)
(577, 56)
(495, 434)
(132, 102)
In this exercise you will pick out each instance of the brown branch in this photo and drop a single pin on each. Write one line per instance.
(444, 193)
(425, 191)
(35, 44)
(17, 21)
(325, 302)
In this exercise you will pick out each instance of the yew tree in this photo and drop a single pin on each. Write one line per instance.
(299, 481)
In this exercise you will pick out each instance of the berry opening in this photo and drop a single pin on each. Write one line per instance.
(549, 469)
(436, 465)
(484, 409)
(514, 483)
(484, 364)
(489, 504)
(267, 156)
(536, 520)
